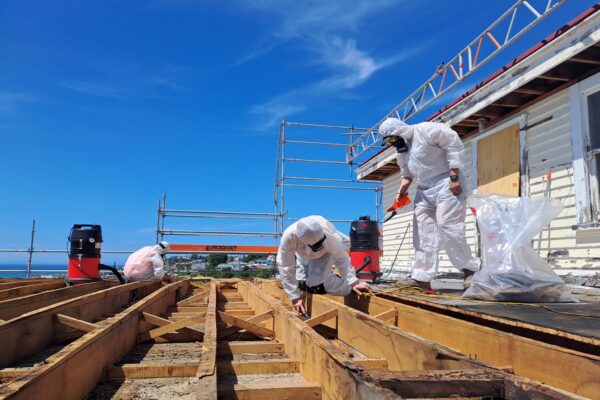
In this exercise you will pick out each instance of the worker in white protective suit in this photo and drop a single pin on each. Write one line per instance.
(147, 263)
(430, 155)
(308, 251)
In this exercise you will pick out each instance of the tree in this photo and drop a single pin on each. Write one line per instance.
(252, 257)
(215, 259)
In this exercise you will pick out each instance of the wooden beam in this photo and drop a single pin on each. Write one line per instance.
(319, 319)
(554, 78)
(247, 325)
(256, 347)
(150, 370)
(444, 383)
(14, 307)
(207, 370)
(29, 289)
(75, 323)
(489, 339)
(27, 282)
(254, 320)
(271, 391)
(82, 362)
(370, 364)
(194, 298)
(257, 367)
(387, 315)
(530, 91)
(166, 326)
(581, 60)
(18, 345)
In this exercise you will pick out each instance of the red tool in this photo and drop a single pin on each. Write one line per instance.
(400, 202)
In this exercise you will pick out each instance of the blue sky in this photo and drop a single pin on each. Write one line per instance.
(105, 105)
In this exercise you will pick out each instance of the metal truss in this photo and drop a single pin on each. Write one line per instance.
(493, 40)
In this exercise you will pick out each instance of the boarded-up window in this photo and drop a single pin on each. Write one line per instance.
(498, 163)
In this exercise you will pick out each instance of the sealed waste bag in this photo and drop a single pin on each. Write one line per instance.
(512, 270)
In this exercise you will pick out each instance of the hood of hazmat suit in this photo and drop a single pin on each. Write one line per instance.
(146, 263)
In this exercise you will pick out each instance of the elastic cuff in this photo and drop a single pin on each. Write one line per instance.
(420, 275)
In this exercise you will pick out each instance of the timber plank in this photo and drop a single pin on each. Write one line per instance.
(14, 307)
(297, 391)
(444, 383)
(29, 289)
(255, 320)
(387, 315)
(247, 325)
(319, 319)
(207, 370)
(75, 323)
(18, 343)
(257, 367)
(195, 298)
(75, 370)
(557, 366)
(257, 347)
(197, 332)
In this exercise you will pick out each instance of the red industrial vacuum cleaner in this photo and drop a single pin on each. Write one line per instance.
(364, 248)
(85, 243)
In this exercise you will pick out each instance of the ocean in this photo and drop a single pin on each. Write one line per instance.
(20, 270)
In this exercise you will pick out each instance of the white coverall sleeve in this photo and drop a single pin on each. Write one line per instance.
(286, 260)
(342, 262)
(402, 161)
(442, 135)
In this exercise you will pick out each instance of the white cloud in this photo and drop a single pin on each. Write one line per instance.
(94, 89)
(327, 31)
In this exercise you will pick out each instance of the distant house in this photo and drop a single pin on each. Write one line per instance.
(530, 129)
(198, 265)
(263, 263)
(232, 266)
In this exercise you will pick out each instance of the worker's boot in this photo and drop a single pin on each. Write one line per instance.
(408, 282)
(468, 278)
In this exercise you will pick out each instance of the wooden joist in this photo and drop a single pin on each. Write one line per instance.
(81, 363)
(193, 299)
(166, 326)
(295, 391)
(75, 323)
(444, 383)
(14, 307)
(29, 289)
(319, 319)
(247, 325)
(224, 333)
(560, 367)
(258, 347)
(386, 315)
(17, 344)
(207, 369)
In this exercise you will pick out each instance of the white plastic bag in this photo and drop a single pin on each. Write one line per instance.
(511, 270)
(146, 263)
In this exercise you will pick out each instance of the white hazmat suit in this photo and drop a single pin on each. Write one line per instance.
(297, 261)
(146, 263)
(439, 215)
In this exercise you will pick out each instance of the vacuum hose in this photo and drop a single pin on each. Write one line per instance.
(113, 270)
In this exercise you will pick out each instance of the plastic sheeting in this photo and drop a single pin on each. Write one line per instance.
(512, 270)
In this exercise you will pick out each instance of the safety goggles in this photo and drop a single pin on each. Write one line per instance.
(391, 139)
(318, 245)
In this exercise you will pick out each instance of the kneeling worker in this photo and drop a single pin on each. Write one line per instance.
(147, 263)
(309, 250)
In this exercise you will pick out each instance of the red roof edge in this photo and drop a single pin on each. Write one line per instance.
(559, 32)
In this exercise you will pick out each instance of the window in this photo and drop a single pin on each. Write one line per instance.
(584, 99)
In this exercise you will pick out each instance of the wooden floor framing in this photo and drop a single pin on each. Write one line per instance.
(232, 339)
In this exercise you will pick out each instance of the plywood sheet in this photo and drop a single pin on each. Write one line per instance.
(498, 163)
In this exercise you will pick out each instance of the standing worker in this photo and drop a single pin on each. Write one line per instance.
(431, 154)
(309, 250)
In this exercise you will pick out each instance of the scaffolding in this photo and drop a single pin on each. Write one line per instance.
(342, 141)
(164, 213)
